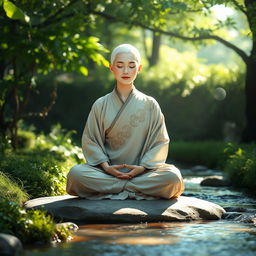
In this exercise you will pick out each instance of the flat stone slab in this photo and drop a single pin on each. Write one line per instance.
(79, 210)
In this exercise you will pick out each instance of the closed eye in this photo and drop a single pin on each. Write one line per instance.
(129, 66)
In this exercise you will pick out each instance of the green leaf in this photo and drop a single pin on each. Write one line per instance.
(1, 2)
(84, 70)
(15, 13)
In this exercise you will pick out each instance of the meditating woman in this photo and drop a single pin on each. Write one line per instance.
(125, 142)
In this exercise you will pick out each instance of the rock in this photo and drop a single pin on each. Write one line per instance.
(215, 181)
(10, 245)
(239, 209)
(78, 210)
(246, 218)
(231, 215)
(240, 217)
(240, 214)
(198, 168)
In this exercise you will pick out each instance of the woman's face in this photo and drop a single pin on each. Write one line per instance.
(125, 68)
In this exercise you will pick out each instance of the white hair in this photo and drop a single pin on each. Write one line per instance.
(125, 48)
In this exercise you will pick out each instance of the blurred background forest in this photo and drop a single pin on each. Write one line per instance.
(199, 85)
(199, 88)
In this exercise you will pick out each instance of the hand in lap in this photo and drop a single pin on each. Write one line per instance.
(135, 170)
(114, 171)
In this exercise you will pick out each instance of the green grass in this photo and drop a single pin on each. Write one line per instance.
(208, 153)
(11, 190)
(42, 172)
(40, 164)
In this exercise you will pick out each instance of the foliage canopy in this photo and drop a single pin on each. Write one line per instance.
(42, 36)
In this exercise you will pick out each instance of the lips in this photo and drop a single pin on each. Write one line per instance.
(125, 77)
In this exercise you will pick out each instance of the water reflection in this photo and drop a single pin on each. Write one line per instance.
(193, 238)
(197, 238)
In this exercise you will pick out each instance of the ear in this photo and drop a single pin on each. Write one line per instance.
(140, 67)
(111, 67)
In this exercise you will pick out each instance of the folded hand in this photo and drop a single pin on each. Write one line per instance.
(114, 171)
(135, 170)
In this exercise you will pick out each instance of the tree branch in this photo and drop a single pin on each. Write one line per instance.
(54, 18)
(240, 52)
(45, 110)
(53, 95)
(240, 7)
(189, 11)
(50, 22)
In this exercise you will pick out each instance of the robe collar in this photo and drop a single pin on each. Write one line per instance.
(117, 94)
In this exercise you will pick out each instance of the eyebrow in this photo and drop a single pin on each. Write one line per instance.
(130, 62)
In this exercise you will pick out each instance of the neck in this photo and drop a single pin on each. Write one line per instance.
(124, 90)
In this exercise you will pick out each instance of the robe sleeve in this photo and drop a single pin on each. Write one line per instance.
(93, 137)
(157, 143)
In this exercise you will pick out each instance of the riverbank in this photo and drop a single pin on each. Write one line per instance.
(176, 238)
(37, 168)
(237, 161)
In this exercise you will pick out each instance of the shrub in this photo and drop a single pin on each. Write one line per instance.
(25, 139)
(241, 165)
(29, 226)
(11, 190)
(60, 140)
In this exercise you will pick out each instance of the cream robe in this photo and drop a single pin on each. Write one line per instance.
(131, 132)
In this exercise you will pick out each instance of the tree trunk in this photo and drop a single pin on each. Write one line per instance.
(107, 34)
(155, 49)
(144, 42)
(249, 133)
(2, 129)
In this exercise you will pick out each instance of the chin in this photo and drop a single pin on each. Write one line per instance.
(126, 83)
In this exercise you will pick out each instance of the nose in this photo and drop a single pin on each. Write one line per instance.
(125, 70)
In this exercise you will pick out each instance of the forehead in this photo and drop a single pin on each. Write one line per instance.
(125, 57)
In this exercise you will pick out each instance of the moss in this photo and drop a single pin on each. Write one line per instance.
(29, 226)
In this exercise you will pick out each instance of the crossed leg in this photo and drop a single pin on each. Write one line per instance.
(84, 180)
(165, 182)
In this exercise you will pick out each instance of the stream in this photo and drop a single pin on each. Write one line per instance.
(200, 238)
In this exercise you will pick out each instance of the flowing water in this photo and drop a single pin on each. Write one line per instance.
(200, 238)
